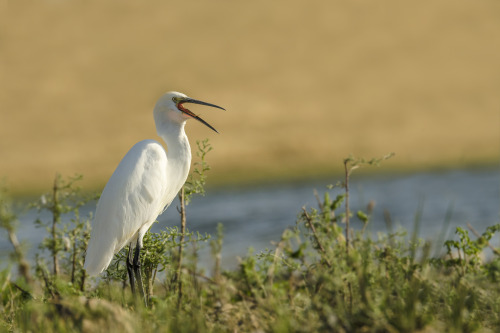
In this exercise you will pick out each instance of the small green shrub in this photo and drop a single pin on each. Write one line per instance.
(319, 277)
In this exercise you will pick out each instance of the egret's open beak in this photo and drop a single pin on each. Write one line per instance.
(191, 114)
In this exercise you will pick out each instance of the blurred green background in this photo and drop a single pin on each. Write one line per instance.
(305, 83)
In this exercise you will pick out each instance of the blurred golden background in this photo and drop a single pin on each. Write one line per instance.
(305, 83)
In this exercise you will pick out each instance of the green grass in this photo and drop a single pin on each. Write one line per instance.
(322, 276)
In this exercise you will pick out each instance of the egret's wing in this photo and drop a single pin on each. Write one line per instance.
(132, 198)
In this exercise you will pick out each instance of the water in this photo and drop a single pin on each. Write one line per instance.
(255, 217)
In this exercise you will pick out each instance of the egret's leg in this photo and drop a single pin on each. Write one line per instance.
(138, 274)
(130, 270)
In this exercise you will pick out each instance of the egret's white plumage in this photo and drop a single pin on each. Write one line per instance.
(145, 182)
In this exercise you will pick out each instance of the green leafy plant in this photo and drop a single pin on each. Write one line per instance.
(66, 240)
(306, 282)
(465, 253)
(9, 222)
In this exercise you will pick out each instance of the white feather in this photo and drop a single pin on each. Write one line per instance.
(130, 202)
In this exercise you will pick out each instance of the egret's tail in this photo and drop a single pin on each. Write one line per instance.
(97, 258)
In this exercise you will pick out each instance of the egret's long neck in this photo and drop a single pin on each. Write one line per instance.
(178, 151)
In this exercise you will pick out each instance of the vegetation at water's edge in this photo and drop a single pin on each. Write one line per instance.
(322, 276)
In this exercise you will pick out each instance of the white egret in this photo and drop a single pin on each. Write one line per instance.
(143, 185)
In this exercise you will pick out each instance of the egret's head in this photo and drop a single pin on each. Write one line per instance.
(172, 105)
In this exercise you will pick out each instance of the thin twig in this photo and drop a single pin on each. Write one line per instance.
(24, 268)
(55, 220)
(194, 273)
(183, 229)
(471, 228)
(272, 268)
(320, 204)
(25, 293)
(73, 261)
(48, 283)
(309, 220)
(82, 280)
(346, 184)
(347, 174)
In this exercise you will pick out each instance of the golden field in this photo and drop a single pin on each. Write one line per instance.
(305, 83)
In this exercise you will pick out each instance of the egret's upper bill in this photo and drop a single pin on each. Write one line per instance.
(191, 114)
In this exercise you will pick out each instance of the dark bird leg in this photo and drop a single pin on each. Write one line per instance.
(130, 269)
(138, 274)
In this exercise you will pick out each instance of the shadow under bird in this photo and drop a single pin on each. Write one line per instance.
(143, 185)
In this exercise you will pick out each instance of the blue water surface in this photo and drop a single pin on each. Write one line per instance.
(256, 216)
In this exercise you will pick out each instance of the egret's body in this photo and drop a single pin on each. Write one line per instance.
(143, 185)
